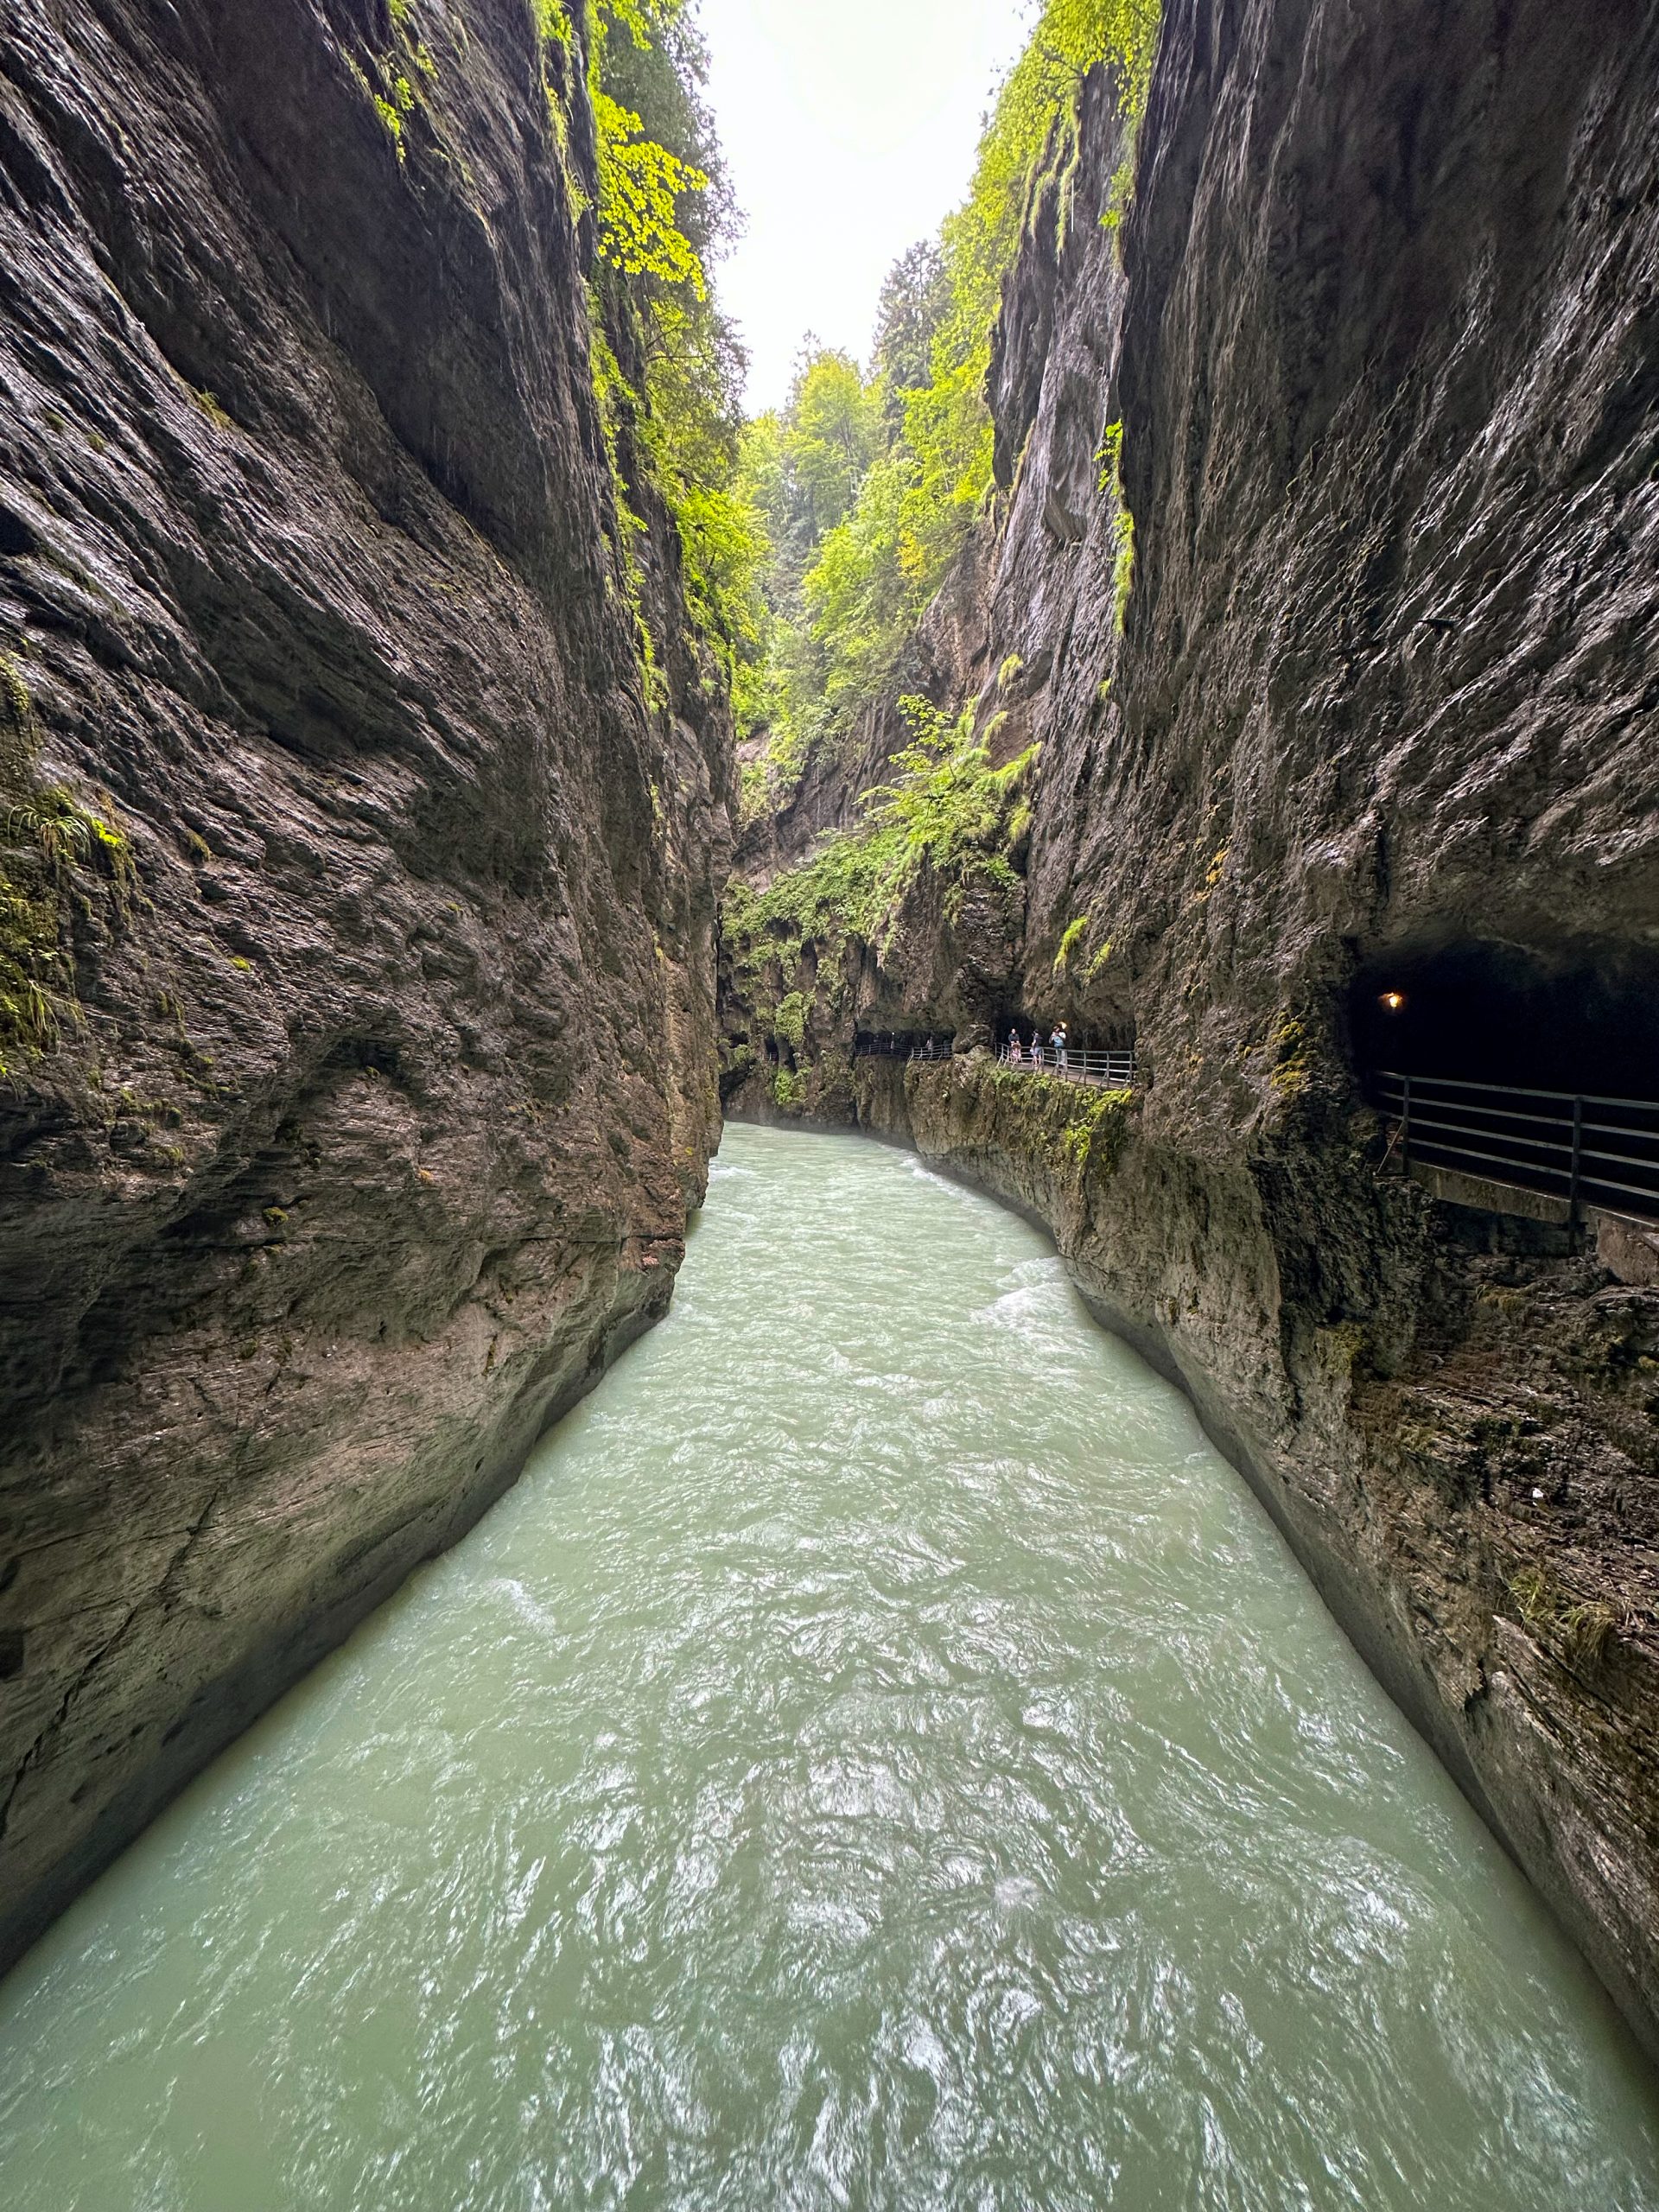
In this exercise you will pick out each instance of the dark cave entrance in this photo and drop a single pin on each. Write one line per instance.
(903, 1044)
(1583, 1019)
(1517, 1067)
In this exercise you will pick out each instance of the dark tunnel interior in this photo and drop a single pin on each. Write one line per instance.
(1582, 1019)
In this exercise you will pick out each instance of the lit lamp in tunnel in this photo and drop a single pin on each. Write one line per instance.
(1392, 1001)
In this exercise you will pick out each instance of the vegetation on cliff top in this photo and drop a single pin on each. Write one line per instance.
(812, 539)
(667, 365)
(869, 482)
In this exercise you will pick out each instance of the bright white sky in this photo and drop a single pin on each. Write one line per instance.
(849, 128)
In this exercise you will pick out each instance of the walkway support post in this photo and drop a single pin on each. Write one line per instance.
(1405, 1127)
(1573, 1208)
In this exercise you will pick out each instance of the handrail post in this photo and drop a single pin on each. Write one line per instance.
(1405, 1127)
(1573, 1208)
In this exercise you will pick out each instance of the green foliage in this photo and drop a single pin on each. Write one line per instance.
(870, 486)
(1292, 1073)
(789, 1021)
(844, 890)
(391, 90)
(1032, 129)
(391, 112)
(1110, 458)
(915, 300)
(950, 807)
(667, 369)
(19, 731)
(1579, 1630)
(53, 848)
(49, 842)
(16, 708)
(1123, 566)
(1071, 939)
(818, 635)
(640, 187)
(28, 946)
(833, 435)
(795, 950)
(66, 834)
(948, 810)
(858, 606)
(620, 407)
(1095, 1136)
(648, 59)
(690, 436)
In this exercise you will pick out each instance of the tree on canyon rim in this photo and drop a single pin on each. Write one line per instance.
(861, 528)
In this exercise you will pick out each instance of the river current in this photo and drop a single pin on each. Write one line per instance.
(878, 1756)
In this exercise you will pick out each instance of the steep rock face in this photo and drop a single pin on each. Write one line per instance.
(356, 882)
(1385, 365)
(1388, 382)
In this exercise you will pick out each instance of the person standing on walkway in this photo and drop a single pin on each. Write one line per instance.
(1014, 1054)
(1036, 1047)
(1058, 1040)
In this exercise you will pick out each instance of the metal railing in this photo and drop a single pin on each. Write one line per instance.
(1105, 1071)
(901, 1045)
(1587, 1150)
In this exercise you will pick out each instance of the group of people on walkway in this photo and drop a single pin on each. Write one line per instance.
(1018, 1056)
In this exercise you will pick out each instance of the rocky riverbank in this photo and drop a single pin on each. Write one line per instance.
(1461, 1495)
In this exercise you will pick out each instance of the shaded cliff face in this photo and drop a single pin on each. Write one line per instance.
(356, 891)
(1382, 704)
(1387, 385)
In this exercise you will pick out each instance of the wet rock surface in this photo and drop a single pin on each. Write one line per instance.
(359, 1067)
(1383, 349)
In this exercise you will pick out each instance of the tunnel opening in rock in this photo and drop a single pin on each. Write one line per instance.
(903, 1044)
(1580, 1019)
(1502, 1068)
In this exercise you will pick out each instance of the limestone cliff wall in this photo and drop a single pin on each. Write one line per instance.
(1388, 380)
(1381, 345)
(357, 889)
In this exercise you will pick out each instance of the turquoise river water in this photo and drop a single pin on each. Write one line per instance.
(879, 1756)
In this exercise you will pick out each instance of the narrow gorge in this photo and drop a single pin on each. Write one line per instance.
(451, 762)
(1322, 574)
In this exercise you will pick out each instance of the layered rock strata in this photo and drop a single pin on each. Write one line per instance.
(356, 876)
(1384, 361)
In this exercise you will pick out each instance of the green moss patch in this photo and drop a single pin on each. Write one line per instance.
(52, 846)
